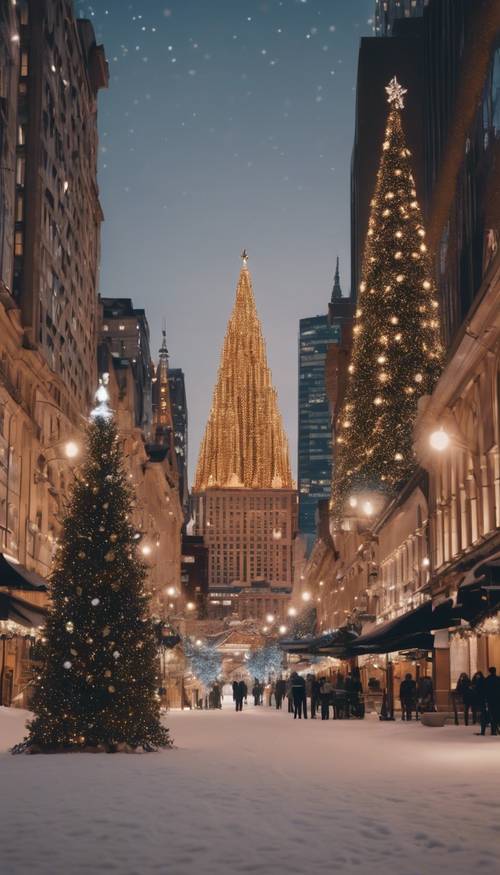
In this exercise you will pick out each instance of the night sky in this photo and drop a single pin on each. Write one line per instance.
(227, 124)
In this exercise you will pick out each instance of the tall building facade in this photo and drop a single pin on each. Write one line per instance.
(178, 401)
(52, 273)
(388, 12)
(51, 70)
(316, 334)
(244, 499)
(124, 330)
(141, 406)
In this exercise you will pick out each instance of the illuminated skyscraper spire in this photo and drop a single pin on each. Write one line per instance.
(244, 444)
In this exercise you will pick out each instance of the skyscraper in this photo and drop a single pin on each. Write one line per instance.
(316, 334)
(178, 403)
(244, 498)
(50, 234)
(387, 12)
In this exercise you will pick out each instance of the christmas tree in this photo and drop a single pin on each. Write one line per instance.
(97, 687)
(266, 661)
(396, 354)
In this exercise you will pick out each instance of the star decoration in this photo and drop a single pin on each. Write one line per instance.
(395, 92)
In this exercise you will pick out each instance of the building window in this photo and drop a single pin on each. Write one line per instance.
(20, 208)
(24, 63)
(20, 170)
(18, 243)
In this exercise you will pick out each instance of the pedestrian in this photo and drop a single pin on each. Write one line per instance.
(463, 691)
(477, 691)
(299, 696)
(256, 692)
(280, 692)
(425, 695)
(241, 693)
(407, 696)
(271, 691)
(326, 693)
(315, 696)
(235, 689)
(217, 696)
(289, 695)
(356, 704)
(491, 689)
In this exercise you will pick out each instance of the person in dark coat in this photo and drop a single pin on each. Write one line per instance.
(492, 700)
(280, 692)
(463, 691)
(256, 692)
(235, 689)
(299, 696)
(407, 696)
(241, 693)
(477, 695)
(315, 696)
(325, 696)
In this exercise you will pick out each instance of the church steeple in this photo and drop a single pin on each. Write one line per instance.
(244, 443)
(162, 419)
(336, 291)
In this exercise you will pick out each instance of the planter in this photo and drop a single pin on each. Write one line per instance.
(434, 718)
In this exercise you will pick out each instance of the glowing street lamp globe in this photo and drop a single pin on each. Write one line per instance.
(306, 596)
(439, 440)
(71, 449)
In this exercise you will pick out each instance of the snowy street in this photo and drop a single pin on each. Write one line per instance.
(257, 792)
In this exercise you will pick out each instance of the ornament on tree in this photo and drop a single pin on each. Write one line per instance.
(397, 352)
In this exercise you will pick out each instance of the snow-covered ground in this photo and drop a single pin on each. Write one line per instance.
(257, 792)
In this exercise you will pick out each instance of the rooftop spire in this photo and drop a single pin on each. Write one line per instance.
(244, 444)
(163, 413)
(336, 291)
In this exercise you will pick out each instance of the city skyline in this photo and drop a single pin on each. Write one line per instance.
(222, 143)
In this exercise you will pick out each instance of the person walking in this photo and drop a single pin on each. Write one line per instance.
(241, 693)
(289, 695)
(492, 700)
(279, 692)
(315, 696)
(407, 696)
(256, 693)
(463, 692)
(326, 693)
(235, 690)
(477, 695)
(299, 696)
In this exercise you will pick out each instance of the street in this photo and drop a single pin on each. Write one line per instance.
(257, 792)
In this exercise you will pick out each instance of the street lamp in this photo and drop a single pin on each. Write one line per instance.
(439, 440)
(270, 618)
(306, 596)
(292, 612)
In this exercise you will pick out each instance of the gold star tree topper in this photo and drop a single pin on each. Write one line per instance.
(395, 93)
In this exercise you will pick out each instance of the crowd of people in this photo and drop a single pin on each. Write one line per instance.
(310, 696)
(480, 699)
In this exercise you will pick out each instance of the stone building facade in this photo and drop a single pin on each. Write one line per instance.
(50, 73)
(438, 542)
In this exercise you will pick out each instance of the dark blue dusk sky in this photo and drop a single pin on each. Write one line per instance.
(227, 124)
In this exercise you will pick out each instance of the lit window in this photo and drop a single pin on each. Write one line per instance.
(20, 170)
(121, 327)
(24, 63)
(18, 243)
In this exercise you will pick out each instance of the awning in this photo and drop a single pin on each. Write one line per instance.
(20, 611)
(334, 643)
(409, 631)
(16, 576)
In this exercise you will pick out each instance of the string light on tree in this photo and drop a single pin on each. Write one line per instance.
(375, 454)
(98, 684)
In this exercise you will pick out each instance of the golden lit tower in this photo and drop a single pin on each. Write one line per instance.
(244, 442)
(244, 495)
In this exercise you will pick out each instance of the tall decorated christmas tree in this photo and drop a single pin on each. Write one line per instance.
(97, 687)
(396, 354)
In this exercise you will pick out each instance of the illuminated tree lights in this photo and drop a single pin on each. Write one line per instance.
(397, 352)
(97, 688)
